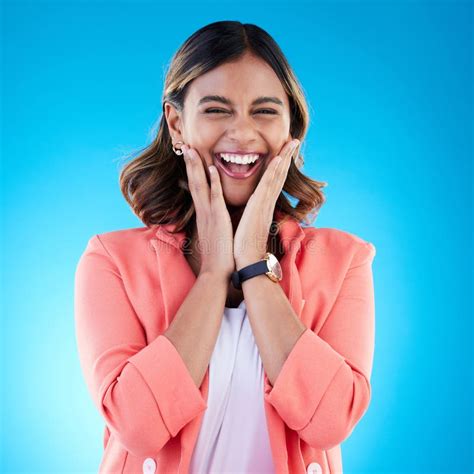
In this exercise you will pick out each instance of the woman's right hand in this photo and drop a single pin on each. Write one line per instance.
(214, 225)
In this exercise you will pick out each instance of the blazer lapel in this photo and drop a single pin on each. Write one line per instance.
(175, 274)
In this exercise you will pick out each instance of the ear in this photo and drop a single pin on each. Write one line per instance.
(174, 121)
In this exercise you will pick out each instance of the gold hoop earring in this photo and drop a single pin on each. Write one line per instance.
(178, 151)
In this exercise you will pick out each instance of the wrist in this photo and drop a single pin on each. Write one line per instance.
(245, 261)
(214, 277)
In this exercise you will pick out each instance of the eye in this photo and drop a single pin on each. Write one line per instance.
(270, 111)
(211, 111)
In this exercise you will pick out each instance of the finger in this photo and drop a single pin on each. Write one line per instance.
(290, 153)
(289, 149)
(217, 197)
(294, 149)
(281, 169)
(275, 185)
(270, 173)
(273, 173)
(262, 190)
(285, 153)
(271, 179)
(198, 186)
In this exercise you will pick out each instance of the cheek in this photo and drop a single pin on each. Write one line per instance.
(203, 143)
(277, 140)
(202, 132)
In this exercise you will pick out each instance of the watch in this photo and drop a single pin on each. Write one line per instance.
(269, 266)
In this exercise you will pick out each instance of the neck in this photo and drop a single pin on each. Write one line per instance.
(235, 213)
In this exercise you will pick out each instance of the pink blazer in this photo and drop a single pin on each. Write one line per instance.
(130, 283)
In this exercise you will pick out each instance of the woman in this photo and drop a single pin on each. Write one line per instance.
(224, 336)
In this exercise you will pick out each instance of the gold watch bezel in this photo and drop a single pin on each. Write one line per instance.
(270, 274)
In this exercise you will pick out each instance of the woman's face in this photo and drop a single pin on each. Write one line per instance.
(211, 126)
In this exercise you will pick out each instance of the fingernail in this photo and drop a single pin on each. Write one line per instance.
(295, 143)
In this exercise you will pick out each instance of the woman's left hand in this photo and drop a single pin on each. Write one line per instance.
(251, 236)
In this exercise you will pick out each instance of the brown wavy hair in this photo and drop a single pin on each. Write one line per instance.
(154, 182)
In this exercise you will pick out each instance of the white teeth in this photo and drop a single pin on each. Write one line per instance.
(239, 159)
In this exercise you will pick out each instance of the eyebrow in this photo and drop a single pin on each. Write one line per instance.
(225, 100)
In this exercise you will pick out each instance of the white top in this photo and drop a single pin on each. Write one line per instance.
(233, 435)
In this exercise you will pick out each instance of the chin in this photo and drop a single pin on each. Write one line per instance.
(235, 198)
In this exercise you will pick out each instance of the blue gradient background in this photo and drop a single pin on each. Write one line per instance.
(390, 90)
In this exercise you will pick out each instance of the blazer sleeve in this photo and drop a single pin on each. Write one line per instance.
(145, 393)
(323, 388)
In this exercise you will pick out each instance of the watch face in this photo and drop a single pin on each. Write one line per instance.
(274, 265)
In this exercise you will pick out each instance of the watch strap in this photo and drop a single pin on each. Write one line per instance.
(254, 269)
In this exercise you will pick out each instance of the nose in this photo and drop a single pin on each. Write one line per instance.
(243, 130)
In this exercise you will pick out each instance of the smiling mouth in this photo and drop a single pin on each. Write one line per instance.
(237, 168)
(238, 171)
